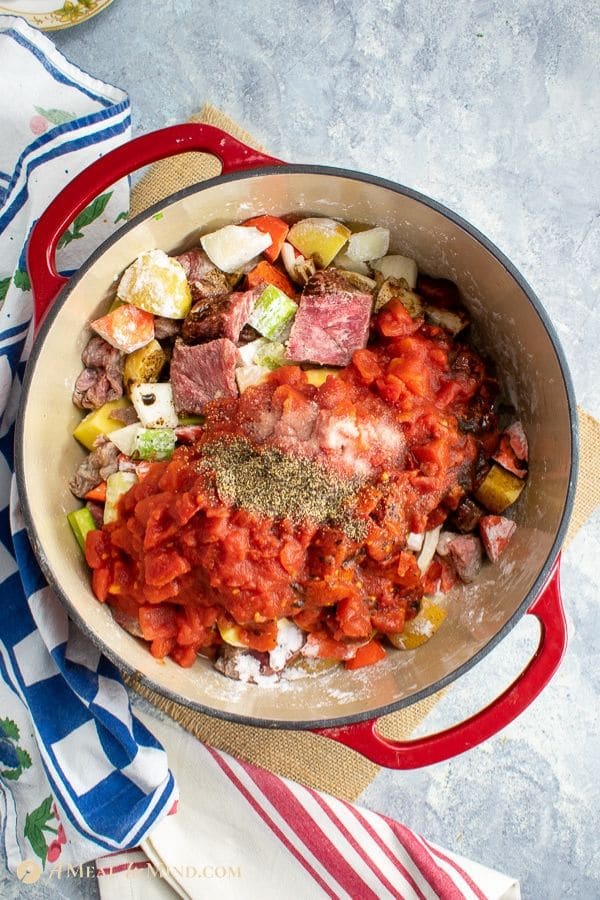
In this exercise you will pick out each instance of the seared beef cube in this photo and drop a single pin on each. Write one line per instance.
(248, 334)
(466, 553)
(223, 316)
(439, 291)
(204, 278)
(513, 451)
(467, 515)
(102, 378)
(496, 532)
(331, 323)
(96, 467)
(166, 328)
(327, 281)
(202, 372)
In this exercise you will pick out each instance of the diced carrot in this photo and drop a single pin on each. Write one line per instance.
(366, 656)
(266, 272)
(98, 493)
(127, 328)
(278, 230)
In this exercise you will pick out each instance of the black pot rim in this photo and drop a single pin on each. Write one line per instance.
(545, 571)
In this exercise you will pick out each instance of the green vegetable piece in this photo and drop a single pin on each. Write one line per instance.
(81, 522)
(273, 313)
(270, 354)
(154, 443)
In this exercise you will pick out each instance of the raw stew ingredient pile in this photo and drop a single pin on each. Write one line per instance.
(294, 450)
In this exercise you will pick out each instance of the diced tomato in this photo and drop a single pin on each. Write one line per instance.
(97, 547)
(184, 656)
(321, 645)
(158, 621)
(263, 639)
(390, 619)
(366, 364)
(395, 320)
(163, 566)
(274, 226)
(368, 655)
(101, 583)
(161, 647)
(353, 617)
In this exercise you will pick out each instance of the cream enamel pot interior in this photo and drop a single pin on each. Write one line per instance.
(510, 325)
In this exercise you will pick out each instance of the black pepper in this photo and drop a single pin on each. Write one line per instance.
(282, 485)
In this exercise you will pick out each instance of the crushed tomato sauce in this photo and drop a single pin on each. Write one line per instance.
(402, 428)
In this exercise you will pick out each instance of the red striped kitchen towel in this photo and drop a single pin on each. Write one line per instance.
(243, 832)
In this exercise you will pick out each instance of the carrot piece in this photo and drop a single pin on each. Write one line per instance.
(98, 493)
(265, 272)
(366, 656)
(278, 230)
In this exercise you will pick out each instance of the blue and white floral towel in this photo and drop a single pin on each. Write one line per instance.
(79, 776)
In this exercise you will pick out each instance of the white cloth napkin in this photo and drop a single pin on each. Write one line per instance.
(79, 776)
(242, 832)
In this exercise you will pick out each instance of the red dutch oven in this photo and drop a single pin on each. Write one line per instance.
(511, 325)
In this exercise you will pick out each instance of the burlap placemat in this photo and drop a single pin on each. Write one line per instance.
(309, 758)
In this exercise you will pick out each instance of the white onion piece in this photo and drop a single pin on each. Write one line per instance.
(414, 541)
(289, 640)
(234, 246)
(429, 546)
(124, 438)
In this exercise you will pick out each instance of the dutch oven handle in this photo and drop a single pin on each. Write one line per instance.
(140, 152)
(434, 748)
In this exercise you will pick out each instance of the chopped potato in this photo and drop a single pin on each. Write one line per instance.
(317, 377)
(417, 631)
(343, 261)
(99, 422)
(320, 238)
(157, 283)
(499, 489)
(144, 365)
(154, 405)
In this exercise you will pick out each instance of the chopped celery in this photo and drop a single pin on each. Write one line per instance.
(262, 352)
(154, 443)
(117, 484)
(270, 354)
(81, 522)
(273, 313)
